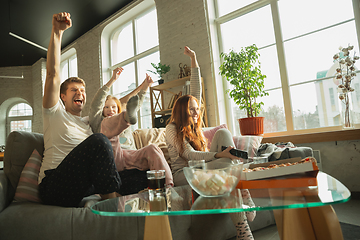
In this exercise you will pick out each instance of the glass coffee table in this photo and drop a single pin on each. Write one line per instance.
(300, 212)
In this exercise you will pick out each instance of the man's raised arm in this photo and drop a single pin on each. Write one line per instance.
(60, 22)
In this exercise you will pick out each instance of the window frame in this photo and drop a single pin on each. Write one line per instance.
(108, 58)
(9, 119)
(279, 42)
(67, 57)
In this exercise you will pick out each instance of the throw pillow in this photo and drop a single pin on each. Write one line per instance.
(210, 132)
(28, 188)
(248, 143)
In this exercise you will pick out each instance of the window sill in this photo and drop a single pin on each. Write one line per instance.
(340, 135)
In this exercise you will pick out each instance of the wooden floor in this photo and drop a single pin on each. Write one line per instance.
(348, 212)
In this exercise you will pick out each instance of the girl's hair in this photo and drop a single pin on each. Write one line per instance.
(186, 129)
(116, 100)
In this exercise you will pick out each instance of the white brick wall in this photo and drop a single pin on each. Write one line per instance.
(11, 88)
(88, 58)
(39, 75)
(184, 24)
(13, 91)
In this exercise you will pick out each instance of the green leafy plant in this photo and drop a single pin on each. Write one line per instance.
(160, 69)
(242, 70)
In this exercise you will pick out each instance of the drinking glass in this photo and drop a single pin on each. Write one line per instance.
(157, 190)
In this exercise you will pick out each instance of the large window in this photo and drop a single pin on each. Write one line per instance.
(68, 66)
(296, 41)
(19, 118)
(134, 46)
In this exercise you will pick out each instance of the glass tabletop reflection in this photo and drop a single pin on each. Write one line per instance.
(184, 201)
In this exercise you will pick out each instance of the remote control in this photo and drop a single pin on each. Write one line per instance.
(237, 152)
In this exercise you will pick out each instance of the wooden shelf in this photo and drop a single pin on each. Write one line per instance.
(157, 100)
(171, 84)
(163, 112)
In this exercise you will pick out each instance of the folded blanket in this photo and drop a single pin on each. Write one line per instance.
(275, 151)
(144, 137)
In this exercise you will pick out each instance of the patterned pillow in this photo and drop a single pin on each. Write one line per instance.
(250, 144)
(210, 132)
(28, 188)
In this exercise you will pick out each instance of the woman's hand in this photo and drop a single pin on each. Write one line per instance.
(192, 55)
(189, 52)
(226, 154)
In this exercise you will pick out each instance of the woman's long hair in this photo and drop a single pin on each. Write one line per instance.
(186, 129)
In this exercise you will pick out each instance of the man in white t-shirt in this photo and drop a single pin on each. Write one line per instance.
(76, 162)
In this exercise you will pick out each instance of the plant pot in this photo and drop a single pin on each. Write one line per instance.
(251, 126)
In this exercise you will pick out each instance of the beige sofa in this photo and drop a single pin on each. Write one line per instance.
(29, 220)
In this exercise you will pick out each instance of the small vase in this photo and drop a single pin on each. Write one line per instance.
(346, 109)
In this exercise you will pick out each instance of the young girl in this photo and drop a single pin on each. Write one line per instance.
(106, 117)
(186, 141)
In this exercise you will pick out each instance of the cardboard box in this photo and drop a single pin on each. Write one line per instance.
(296, 180)
(299, 175)
(279, 193)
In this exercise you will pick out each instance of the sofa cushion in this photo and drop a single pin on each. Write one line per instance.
(28, 188)
(30, 221)
(209, 133)
(249, 144)
(19, 147)
(143, 137)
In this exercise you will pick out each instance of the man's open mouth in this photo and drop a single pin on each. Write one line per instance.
(78, 101)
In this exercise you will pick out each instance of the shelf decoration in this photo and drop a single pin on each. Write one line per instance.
(345, 73)
(184, 71)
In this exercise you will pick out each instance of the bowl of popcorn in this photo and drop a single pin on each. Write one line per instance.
(216, 179)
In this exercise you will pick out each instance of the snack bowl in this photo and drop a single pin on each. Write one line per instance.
(216, 179)
(228, 201)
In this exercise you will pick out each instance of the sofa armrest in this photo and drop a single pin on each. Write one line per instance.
(4, 188)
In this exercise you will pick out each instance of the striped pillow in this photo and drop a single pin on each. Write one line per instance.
(28, 188)
(249, 144)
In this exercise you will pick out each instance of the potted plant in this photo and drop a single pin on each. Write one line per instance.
(242, 70)
(160, 70)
